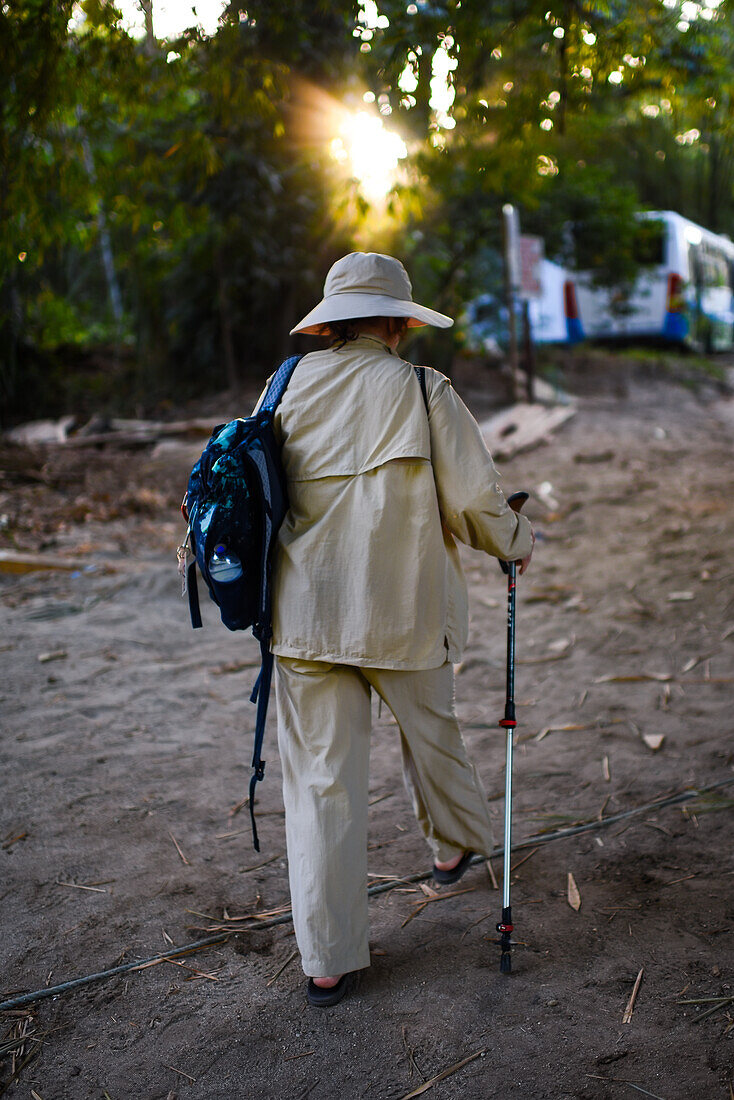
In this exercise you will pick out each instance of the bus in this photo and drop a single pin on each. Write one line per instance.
(552, 319)
(483, 323)
(684, 292)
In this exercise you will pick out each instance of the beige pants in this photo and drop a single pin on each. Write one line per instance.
(324, 723)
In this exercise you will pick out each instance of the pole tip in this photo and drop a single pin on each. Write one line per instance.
(506, 962)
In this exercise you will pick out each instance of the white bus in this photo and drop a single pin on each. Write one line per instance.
(684, 291)
(550, 322)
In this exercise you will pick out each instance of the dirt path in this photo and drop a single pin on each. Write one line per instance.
(123, 754)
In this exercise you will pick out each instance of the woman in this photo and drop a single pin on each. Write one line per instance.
(369, 595)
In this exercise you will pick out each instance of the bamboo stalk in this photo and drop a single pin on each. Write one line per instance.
(442, 1075)
(627, 1018)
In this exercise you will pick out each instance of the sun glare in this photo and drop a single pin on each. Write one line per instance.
(371, 152)
(172, 17)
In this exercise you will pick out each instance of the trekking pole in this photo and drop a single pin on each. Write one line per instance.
(509, 723)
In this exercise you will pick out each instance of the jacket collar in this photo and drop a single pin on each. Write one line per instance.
(369, 338)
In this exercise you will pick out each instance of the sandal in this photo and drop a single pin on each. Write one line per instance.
(445, 878)
(324, 998)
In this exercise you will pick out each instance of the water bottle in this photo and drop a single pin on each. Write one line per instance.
(224, 565)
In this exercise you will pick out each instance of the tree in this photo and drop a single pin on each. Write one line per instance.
(32, 42)
(579, 114)
(176, 157)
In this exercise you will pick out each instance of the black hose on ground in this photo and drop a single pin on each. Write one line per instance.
(382, 888)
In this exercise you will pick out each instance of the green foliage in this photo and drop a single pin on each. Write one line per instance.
(177, 203)
(163, 176)
(32, 43)
(577, 115)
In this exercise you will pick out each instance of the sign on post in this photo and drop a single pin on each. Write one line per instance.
(512, 239)
(532, 253)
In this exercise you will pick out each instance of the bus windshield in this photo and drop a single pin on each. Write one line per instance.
(710, 267)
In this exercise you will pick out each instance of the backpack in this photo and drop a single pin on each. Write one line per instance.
(236, 499)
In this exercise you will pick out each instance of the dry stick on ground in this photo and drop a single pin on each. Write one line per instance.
(194, 971)
(175, 842)
(438, 897)
(257, 866)
(703, 1000)
(474, 923)
(78, 886)
(624, 1081)
(16, 1047)
(280, 969)
(286, 917)
(723, 1002)
(603, 807)
(523, 860)
(411, 1059)
(6, 844)
(675, 881)
(181, 1073)
(443, 1074)
(627, 1018)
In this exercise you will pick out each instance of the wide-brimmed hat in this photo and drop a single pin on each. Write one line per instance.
(368, 284)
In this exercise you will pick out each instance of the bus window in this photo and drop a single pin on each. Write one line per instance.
(716, 269)
(711, 268)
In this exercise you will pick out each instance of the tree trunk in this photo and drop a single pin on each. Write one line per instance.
(150, 42)
(108, 260)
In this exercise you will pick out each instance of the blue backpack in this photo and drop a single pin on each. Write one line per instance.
(235, 503)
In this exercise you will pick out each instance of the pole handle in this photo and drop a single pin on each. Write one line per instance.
(517, 501)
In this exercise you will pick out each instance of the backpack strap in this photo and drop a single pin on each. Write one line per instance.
(261, 690)
(260, 695)
(193, 589)
(278, 384)
(421, 373)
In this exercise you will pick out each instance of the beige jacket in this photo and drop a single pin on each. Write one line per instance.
(367, 571)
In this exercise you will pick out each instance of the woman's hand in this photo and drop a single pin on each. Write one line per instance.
(526, 561)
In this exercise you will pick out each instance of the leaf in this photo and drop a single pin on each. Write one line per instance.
(53, 655)
(563, 729)
(572, 893)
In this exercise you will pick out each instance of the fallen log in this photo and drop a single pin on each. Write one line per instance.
(124, 433)
(143, 433)
(17, 561)
(522, 427)
(41, 431)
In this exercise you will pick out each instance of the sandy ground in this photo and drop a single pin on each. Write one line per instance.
(126, 742)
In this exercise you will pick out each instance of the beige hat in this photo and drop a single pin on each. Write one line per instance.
(367, 284)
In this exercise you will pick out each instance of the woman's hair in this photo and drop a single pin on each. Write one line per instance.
(343, 332)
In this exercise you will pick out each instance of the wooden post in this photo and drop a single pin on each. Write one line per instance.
(510, 236)
(528, 351)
